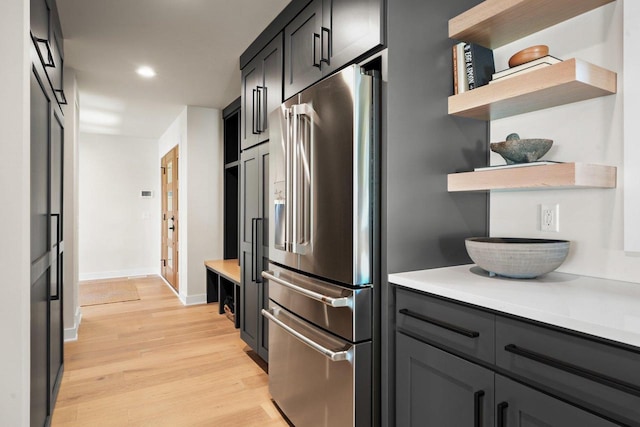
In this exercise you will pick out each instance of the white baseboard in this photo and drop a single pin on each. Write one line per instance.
(187, 299)
(119, 273)
(71, 334)
(193, 299)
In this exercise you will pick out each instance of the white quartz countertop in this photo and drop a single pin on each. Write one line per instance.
(604, 308)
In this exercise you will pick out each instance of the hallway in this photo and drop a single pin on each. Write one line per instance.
(155, 362)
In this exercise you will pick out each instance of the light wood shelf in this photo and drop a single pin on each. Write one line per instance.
(228, 268)
(563, 83)
(494, 23)
(558, 176)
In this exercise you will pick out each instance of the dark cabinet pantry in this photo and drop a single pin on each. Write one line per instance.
(47, 177)
(254, 247)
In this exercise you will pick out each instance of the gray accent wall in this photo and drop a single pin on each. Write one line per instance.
(424, 226)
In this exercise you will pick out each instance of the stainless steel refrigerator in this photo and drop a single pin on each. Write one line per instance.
(322, 188)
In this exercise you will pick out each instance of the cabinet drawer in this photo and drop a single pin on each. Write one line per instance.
(593, 373)
(453, 326)
(519, 405)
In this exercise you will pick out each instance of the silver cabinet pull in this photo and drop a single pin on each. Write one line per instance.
(334, 356)
(330, 301)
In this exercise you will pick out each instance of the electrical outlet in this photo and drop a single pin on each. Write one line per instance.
(550, 218)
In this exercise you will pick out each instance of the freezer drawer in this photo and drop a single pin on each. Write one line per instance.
(345, 312)
(315, 378)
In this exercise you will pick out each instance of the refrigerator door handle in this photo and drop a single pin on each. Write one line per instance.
(289, 181)
(295, 124)
(334, 356)
(301, 159)
(325, 299)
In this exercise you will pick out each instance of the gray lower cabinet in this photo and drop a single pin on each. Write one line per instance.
(435, 388)
(522, 406)
(254, 250)
(536, 376)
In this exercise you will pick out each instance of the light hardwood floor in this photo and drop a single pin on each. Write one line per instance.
(154, 362)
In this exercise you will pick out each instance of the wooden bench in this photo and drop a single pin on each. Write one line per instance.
(223, 279)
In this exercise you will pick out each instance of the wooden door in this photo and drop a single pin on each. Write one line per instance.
(169, 250)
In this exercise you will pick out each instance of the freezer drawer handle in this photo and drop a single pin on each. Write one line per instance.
(334, 356)
(330, 301)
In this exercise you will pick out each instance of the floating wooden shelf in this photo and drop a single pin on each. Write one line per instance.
(494, 23)
(561, 175)
(563, 83)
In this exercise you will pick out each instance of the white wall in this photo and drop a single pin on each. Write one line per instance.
(204, 194)
(631, 108)
(72, 313)
(588, 131)
(198, 132)
(119, 232)
(15, 215)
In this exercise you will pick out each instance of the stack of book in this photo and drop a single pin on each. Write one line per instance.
(473, 66)
(527, 67)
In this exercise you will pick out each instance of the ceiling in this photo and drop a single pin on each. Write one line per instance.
(193, 45)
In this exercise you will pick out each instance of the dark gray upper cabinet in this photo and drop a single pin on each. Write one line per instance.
(261, 92)
(40, 13)
(355, 27)
(327, 35)
(47, 39)
(302, 46)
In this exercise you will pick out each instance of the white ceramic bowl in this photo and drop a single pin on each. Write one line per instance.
(515, 257)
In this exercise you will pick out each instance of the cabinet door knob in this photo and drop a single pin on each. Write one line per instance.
(327, 45)
(254, 129)
(316, 39)
(477, 408)
(502, 418)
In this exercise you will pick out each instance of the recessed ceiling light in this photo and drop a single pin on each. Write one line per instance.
(145, 71)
